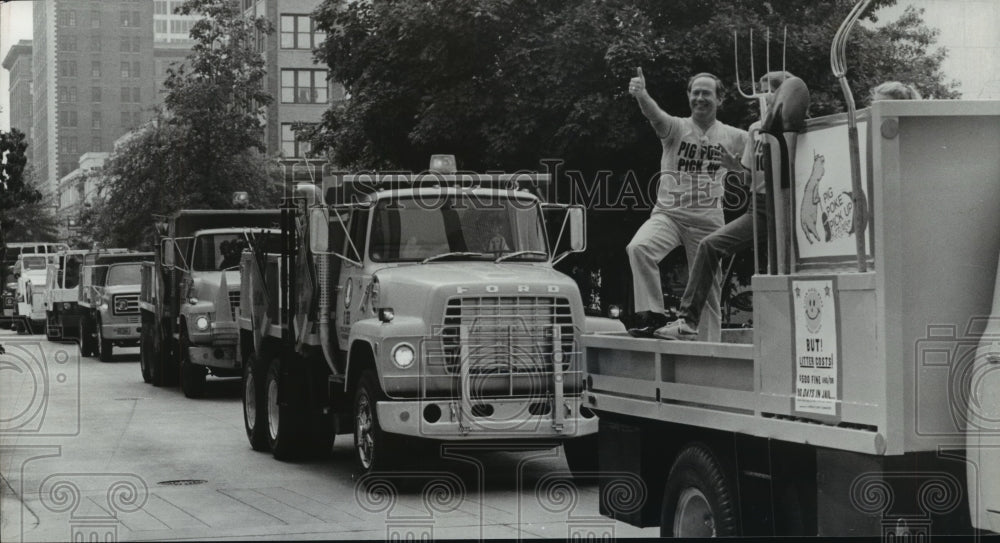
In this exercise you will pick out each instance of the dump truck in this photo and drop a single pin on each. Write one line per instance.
(109, 300)
(863, 402)
(414, 309)
(30, 271)
(62, 311)
(190, 290)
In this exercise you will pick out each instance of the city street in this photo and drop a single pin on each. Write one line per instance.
(88, 449)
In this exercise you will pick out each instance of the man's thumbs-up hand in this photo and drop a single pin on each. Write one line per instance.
(637, 84)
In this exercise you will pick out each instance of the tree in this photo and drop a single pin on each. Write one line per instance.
(506, 84)
(205, 145)
(24, 213)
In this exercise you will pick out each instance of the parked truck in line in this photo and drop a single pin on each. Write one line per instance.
(62, 311)
(413, 309)
(30, 271)
(109, 300)
(862, 402)
(190, 290)
(9, 316)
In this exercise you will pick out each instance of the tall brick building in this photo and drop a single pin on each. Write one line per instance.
(18, 63)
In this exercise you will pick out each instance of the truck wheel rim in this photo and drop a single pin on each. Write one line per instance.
(100, 342)
(250, 401)
(365, 440)
(693, 515)
(272, 408)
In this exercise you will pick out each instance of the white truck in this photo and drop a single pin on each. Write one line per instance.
(413, 309)
(62, 310)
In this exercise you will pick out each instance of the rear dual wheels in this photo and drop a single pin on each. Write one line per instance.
(192, 375)
(255, 404)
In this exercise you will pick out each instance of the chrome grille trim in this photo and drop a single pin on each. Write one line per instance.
(234, 301)
(132, 304)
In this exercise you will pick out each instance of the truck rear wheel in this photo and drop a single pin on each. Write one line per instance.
(285, 419)
(52, 333)
(374, 449)
(86, 340)
(105, 349)
(699, 500)
(192, 376)
(255, 404)
(146, 352)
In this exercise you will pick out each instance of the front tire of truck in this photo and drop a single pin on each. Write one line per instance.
(105, 349)
(50, 332)
(581, 457)
(192, 376)
(255, 404)
(699, 500)
(86, 340)
(146, 352)
(374, 449)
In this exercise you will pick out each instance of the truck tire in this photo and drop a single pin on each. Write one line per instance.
(286, 420)
(146, 352)
(192, 375)
(105, 349)
(86, 340)
(581, 457)
(255, 403)
(374, 450)
(700, 499)
(50, 332)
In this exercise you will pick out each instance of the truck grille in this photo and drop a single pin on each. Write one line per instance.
(125, 304)
(504, 335)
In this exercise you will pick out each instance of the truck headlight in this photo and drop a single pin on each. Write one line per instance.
(403, 356)
(201, 323)
(192, 300)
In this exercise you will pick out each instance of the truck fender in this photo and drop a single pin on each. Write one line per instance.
(360, 356)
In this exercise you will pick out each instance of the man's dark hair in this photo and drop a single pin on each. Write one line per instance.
(719, 87)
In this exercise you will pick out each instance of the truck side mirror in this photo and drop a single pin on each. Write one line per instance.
(577, 229)
(167, 250)
(319, 230)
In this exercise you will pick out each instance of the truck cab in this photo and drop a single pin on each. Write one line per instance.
(109, 298)
(190, 292)
(414, 312)
(62, 312)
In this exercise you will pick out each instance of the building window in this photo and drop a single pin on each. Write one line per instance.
(131, 44)
(95, 120)
(299, 32)
(175, 5)
(68, 119)
(130, 69)
(291, 146)
(160, 7)
(95, 43)
(67, 17)
(67, 68)
(95, 19)
(96, 142)
(95, 94)
(160, 26)
(95, 68)
(135, 96)
(67, 43)
(67, 95)
(68, 145)
(303, 87)
(130, 18)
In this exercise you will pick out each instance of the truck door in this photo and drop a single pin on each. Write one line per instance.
(983, 429)
(352, 281)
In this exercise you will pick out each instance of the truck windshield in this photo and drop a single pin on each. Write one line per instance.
(71, 273)
(34, 263)
(222, 251)
(124, 274)
(407, 229)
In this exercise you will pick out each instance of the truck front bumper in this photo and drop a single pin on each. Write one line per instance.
(120, 331)
(490, 418)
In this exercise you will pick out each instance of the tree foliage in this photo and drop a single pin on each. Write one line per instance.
(24, 214)
(506, 84)
(207, 142)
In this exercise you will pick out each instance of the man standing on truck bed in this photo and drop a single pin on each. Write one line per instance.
(689, 199)
(726, 241)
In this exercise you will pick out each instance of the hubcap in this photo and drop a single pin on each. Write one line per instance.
(250, 401)
(693, 516)
(272, 408)
(100, 341)
(363, 431)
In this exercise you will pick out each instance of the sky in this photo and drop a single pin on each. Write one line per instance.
(970, 29)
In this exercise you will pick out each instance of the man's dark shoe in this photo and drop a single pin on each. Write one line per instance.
(646, 323)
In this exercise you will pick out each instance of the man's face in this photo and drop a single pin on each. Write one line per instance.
(702, 98)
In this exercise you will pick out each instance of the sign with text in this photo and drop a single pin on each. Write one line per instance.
(817, 379)
(824, 202)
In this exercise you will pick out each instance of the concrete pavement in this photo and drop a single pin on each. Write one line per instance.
(88, 449)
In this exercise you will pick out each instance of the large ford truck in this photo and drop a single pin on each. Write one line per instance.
(864, 401)
(190, 291)
(412, 309)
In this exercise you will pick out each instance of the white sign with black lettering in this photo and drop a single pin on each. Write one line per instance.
(816, 386)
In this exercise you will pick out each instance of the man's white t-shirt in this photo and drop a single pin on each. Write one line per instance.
(691, 172)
